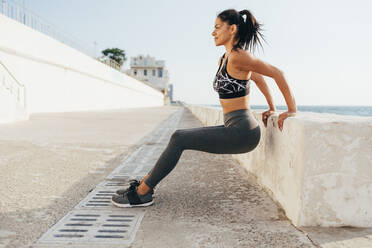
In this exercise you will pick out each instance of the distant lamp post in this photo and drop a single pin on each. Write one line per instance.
(24, 12)
(3, 7)
(95, 49)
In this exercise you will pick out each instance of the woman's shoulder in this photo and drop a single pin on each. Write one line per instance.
(240, 59)
(240, 56)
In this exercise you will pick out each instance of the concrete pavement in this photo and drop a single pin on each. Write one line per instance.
(49, 163)
(53, 161)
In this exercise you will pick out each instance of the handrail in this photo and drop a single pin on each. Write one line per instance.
(110, 62)
(11, 74)
(27, 17)
(44, 61)
(21, 14)
(20, 86)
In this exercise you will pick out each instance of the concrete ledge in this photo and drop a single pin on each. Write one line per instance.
(318, 168)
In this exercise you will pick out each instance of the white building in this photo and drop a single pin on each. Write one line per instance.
(149, 70)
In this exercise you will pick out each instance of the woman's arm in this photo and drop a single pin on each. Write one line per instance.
(246, 62)
(262, 85)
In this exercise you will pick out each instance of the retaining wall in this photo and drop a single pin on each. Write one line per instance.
(319, 168)
(58, 78)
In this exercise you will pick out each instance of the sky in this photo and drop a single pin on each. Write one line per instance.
(323, 47)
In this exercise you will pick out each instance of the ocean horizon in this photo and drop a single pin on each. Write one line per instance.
(341, 110)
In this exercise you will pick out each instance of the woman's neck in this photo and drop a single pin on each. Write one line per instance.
(228, 50)
(229, 47)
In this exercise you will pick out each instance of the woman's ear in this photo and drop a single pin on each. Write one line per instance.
(234, 29)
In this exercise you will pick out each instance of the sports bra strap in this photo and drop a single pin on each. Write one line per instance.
(225, 64)
(223, 56)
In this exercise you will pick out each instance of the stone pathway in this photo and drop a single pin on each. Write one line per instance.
(208, 200)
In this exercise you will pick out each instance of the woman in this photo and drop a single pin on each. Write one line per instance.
(241, 132)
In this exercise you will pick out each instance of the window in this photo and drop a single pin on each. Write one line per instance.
(160, 72)
(135, 72)
(145, 72)
(153, 72)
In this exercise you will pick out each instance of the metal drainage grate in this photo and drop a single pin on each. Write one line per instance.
(163, 129)
(107, 226)
(98, 198)
(162, 132)
(126, 177)
(86, 228)
(139, 164)
(112, 184)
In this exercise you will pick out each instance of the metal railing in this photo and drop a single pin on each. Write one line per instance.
(110, 62)
(25, 16)
(9, 82)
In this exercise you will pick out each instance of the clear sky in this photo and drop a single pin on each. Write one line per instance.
(323, 46)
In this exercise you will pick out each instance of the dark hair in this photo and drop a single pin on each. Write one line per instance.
(248, 30)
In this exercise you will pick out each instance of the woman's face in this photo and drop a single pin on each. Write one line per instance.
(222, 32)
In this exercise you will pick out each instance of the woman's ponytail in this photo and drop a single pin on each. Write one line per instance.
(248, 28)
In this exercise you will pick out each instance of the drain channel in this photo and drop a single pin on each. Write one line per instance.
(98, 198)
(87, 228)
(95, 222)
(140, 162)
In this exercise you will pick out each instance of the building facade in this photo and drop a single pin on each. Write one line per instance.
(152, 72)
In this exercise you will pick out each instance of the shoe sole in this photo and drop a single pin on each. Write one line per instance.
(127, 205)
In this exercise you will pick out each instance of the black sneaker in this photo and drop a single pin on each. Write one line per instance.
(132, 199)
(134, 183)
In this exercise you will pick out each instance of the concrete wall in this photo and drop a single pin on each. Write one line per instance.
(319, 169)
(59, 78)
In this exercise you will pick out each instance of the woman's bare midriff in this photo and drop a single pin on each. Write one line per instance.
(232, 104)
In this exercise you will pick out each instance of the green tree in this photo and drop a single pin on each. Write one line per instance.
(115, 54)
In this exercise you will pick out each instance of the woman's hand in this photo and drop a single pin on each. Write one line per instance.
(266, 114)
(283, 116)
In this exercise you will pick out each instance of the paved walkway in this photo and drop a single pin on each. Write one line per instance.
(50, 162)
(208, 200)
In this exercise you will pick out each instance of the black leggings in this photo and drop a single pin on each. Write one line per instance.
(239, 134)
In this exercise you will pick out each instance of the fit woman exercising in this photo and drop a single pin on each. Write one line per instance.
(240, 133)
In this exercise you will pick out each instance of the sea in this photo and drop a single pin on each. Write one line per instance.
(341, 110)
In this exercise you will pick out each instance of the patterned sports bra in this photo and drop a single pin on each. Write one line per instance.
(227, 86)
